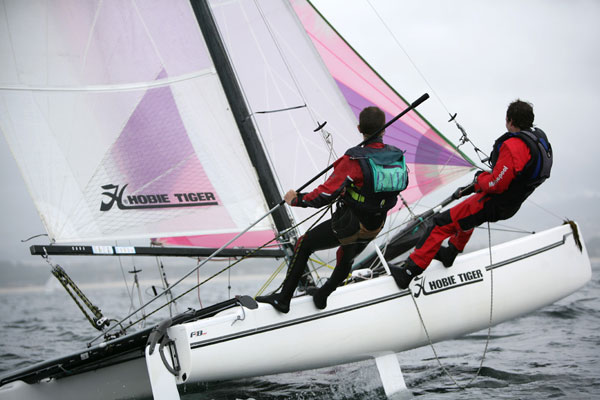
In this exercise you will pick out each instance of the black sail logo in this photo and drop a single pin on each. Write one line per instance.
(153, 200)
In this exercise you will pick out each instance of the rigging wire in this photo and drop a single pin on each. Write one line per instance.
(548, 211)
(325, 209)
(129, 292)
(228, 280)
(509, 229)
(271, 278)
(198, 278)
(408, 57)
(483, 157)
(165, 283)
(464, 137)
(33, 237)
(280, 234)
(489, 333)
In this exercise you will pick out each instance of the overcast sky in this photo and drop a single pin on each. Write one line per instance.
(477, 56)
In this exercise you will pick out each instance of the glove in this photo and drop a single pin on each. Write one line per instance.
(475, 183)
(463, 191)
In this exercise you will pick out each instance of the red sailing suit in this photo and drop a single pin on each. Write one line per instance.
(458, 222)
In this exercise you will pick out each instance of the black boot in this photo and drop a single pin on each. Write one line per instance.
(277, 301)
(447, 255)
(405, 272)
(321, 294)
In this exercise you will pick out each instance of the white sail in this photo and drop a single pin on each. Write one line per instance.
(105, 99)
(288, 88)
(122, 129)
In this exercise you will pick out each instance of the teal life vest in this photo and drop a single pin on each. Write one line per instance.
(384, 176)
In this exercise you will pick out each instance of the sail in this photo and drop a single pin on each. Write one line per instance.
(432, 160)
(122, 128)
(288, 90)
(303, 73)
(119, 123)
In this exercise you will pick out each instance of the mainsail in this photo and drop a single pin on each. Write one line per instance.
(282, 79)
(122, 128)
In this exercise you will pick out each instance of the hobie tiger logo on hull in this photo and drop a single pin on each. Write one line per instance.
(154, 200)
(427, 287)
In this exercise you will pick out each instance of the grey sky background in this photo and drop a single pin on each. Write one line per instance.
(476, 56)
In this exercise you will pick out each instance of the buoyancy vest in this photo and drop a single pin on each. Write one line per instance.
(384, 176)
(537, 169)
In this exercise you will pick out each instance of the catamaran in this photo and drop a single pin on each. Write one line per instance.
(184, 122)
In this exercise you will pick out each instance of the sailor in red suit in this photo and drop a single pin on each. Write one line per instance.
(365, 183)
(521, 160)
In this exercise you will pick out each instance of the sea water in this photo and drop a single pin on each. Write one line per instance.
(551, 353)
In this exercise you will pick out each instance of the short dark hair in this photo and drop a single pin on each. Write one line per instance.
(370, 120)
(520, 113)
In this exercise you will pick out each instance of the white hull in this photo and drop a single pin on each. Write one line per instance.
(362, 320)
(369, 318)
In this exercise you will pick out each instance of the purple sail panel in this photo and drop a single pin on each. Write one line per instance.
(406, 137)
(431, 159)
(154, 154)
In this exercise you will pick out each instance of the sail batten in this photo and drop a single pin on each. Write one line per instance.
(120, 87)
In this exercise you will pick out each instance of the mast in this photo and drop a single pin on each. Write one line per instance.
(240, 112)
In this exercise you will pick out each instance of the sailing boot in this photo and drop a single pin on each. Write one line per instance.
(321, 294)
(281, 301)
(277, 301)
(447, 255)
(405, 272)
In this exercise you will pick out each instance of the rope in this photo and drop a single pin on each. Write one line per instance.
(33, 237)
(281, 234)
(270, 279)
(461, 387)
(329, 206)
